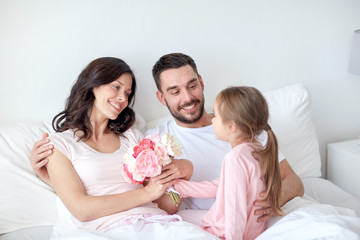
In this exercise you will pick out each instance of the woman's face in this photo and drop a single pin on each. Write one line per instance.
(112, 98)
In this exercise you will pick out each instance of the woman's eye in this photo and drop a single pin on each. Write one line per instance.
(116, 87)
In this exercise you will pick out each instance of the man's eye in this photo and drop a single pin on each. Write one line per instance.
(174, 92)
(193, 86)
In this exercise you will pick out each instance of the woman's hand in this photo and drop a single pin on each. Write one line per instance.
(157, 189)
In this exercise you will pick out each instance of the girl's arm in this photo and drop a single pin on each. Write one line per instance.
(203, 189)
(70, 189)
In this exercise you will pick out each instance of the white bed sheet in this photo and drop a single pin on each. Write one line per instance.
(324, 191)
(305, 220)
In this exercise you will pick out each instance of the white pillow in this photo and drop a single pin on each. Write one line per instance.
(25, 201)
(290, 118)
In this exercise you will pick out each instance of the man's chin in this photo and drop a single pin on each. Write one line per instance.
(187, 120)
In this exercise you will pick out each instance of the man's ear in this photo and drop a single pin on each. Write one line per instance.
(201, 82)
(160, 97)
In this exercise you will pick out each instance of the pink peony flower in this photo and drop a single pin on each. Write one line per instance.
(143, 144)
(148, 157)
(148, 163)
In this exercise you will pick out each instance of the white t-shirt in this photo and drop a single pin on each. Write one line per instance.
(101, 174)
(205, 152)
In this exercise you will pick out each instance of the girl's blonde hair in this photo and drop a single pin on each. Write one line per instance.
(247, 108)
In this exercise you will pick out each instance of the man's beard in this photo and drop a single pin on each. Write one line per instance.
(184, 119)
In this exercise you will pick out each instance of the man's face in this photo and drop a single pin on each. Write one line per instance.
(182, 92)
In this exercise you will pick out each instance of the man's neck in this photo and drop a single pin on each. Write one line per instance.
(204, 121)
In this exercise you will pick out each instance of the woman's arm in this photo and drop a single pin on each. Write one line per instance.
(70, 189)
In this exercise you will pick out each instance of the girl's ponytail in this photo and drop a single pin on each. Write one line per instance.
(270, 168)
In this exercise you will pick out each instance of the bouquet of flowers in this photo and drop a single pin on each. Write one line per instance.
(147, 158)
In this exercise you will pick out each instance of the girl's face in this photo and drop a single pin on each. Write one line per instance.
(112, 98)
(220, 128)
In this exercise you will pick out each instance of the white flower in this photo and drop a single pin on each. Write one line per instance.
(172, 145)
(130, 160)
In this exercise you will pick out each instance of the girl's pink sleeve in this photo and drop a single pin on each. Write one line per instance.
(235, 202)
(202, 189)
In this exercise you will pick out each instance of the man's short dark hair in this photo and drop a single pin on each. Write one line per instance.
(171, 61)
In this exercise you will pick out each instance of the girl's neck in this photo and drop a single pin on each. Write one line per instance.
(236, 139)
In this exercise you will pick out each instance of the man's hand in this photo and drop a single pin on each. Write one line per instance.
(39, 158)
(264, 211)
(178, 168)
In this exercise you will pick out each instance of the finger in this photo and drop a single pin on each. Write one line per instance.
(40, 154)
(261, 203)
(167, 179)
(168, 167)
(40, 143)
(264, 211)
(164, 174)
(44, 148)
(41, 163)
(263, 218)
(45, 136)
(43, 155)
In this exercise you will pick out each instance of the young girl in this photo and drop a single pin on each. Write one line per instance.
(92, 135)
(241, 113)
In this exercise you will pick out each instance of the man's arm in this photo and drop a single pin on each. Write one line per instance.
(291, 183)
(291, 186)
(39, 158)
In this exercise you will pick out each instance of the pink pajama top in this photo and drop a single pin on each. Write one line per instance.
(232, 215)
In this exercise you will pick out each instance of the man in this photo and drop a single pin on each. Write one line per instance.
(180, 89)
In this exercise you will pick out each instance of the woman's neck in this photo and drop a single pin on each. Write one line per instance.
(99, 127)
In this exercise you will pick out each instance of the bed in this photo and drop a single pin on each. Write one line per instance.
(28, 206)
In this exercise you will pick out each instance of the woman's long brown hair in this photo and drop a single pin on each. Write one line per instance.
(80, 102)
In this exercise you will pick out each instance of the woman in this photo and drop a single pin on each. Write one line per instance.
(92, 135)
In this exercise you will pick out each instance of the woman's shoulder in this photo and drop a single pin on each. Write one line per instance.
(67, 134)
(64, 138)
(134, 134)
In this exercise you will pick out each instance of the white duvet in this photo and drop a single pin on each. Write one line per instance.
(305, 219)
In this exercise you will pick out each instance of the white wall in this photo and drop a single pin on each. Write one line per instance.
(44, 44)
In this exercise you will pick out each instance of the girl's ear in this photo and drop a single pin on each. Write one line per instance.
(232, 127)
